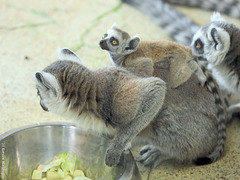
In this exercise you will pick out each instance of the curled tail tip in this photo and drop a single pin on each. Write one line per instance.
(203, 161)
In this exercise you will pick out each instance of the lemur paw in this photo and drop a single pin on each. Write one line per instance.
(113, 156)
(149, 156)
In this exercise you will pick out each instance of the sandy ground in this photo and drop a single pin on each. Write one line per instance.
(31, 31)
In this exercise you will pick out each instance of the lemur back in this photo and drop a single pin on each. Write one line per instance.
(129, 52)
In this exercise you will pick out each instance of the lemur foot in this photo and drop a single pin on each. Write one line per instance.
(149, 155)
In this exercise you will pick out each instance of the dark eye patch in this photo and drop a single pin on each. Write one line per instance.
(114, 41)
(199, 44)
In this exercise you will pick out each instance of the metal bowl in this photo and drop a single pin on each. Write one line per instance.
(24, 148)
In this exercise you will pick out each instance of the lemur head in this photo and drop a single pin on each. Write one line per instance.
(47, 82)
(117, 41)
(213, 40)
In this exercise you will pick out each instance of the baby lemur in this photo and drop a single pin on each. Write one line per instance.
(186, 103)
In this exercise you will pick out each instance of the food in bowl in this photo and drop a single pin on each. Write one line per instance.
(61, 167)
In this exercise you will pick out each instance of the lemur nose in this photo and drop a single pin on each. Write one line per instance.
(101, 42)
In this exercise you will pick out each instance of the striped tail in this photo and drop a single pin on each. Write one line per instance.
(228, 7)
(221, 117)
(179, 27)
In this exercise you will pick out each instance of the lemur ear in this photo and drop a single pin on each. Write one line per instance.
(216, 16)
(114, 25)
(133, 44)
(66, 54)
(215, 36)
(47, 81)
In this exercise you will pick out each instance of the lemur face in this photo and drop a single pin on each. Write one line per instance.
(117, 41)
(46, 89)
(212, 41)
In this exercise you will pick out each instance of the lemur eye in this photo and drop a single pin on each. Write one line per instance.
(198, 45)
(114, 42)
(104, 36)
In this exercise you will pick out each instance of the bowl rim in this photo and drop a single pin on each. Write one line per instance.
(35, 125)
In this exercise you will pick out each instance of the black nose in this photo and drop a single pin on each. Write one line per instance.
(103, 45)
(101, 42)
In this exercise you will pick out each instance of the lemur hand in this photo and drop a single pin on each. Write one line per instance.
(113, 155)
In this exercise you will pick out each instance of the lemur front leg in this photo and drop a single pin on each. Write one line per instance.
(151, 105)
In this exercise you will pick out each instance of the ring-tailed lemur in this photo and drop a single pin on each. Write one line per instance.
(218, 43)
(177, 25)
(174, 63)
(108, 100)
(183, 29)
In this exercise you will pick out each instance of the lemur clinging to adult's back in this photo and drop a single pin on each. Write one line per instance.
(174, 63)
(182, 29)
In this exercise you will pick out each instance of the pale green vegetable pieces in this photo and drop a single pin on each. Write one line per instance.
(61, 167)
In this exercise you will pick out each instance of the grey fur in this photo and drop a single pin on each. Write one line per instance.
(178, 100)
(107, 100)
(222, 114)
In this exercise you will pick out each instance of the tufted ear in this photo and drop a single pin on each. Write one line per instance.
(216, 16)
(132, 44)
(66, 54)
(216, 37)
(114, 25)
(220, 38)
(46, 81)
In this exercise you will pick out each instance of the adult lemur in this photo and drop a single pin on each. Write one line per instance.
(109, 100)
(114, 101)
(185, 102)
(218, 42)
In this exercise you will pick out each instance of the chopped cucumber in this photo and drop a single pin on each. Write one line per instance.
(78, 173)
(37, 174)
(51, 175)
(61, 167)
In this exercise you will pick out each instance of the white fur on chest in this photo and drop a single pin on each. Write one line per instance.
(87, 120)
(227, 82)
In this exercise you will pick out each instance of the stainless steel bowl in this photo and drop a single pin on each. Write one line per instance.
(24, 148)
